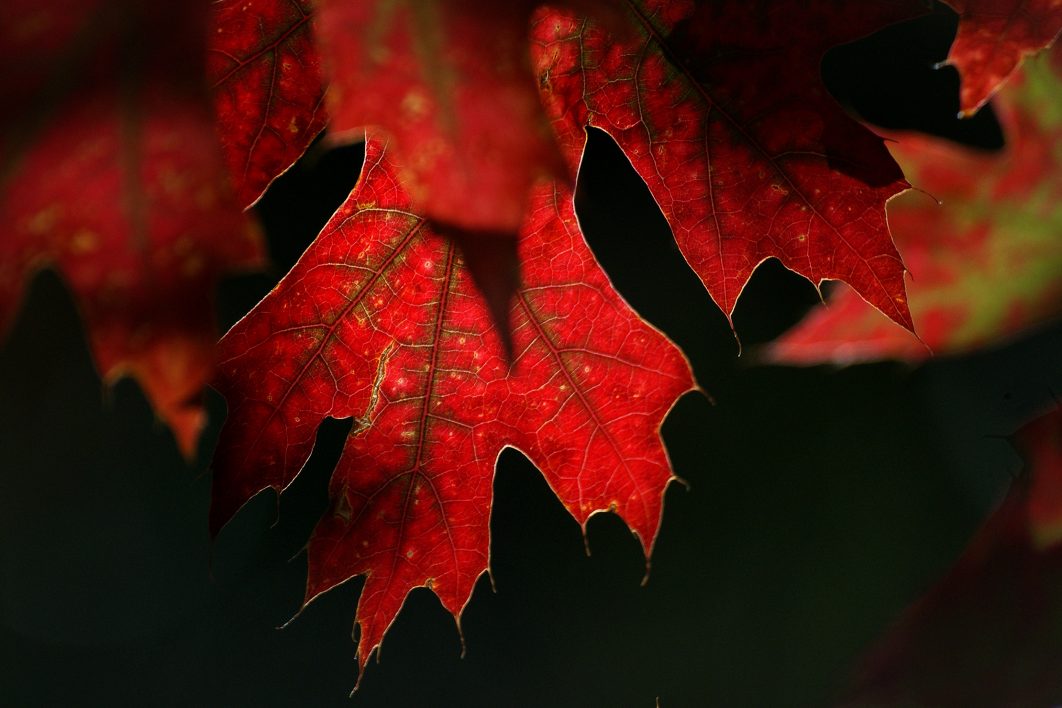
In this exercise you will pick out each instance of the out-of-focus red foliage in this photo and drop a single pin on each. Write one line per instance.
(994, 36)
(450, 81)
(990, 633)
(110, 172)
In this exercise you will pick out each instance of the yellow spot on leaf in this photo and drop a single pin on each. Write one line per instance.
(44, 220)
(192, 266)
(415, 105)
(84, 241)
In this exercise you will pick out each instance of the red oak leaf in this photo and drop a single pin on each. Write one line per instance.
(997, 615)
(110, 172)
(268, 90)
(993, 37)
(379, 322)
(986, 261)
(721, 109)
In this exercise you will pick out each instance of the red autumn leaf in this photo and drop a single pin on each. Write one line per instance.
(451, 82)
(379, 322)
(110, 172)
(993, 38)
(721, 109)
(997, 615)
(268, 90)
(986, 261)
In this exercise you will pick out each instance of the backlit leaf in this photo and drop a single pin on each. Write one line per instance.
(721, 109)
(379, 322)
(268, 90)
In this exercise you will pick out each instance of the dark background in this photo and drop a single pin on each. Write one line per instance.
(821, 500)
